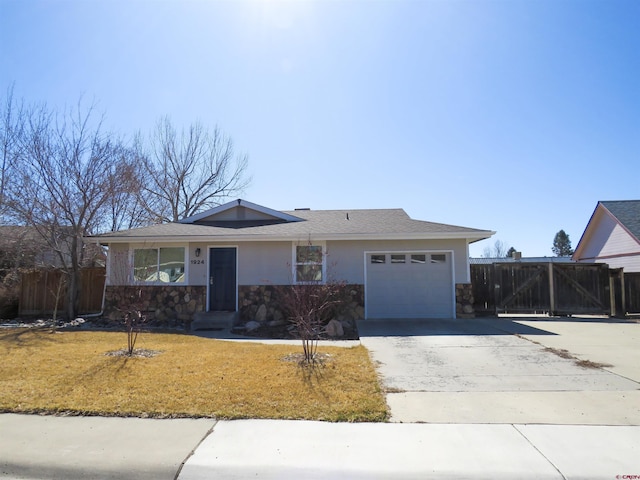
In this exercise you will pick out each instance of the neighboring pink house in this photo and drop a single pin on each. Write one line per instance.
(612, 236)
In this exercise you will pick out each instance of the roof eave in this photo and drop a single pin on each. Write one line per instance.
(469, 236)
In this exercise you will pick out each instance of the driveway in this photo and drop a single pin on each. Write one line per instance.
(502, 370)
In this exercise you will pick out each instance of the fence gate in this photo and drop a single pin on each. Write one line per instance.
(553, 288)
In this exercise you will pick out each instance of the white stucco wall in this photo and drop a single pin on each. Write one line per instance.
(345, 260)
(264, 263)
(118, 270)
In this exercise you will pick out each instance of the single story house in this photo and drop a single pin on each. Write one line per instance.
(612, 236)
(229, 258)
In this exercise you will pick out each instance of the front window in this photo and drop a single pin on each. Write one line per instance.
(164, 265)
(309, 262)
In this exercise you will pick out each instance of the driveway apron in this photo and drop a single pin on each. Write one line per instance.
(487, 371)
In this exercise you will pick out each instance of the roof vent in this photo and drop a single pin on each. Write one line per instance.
(303, 209)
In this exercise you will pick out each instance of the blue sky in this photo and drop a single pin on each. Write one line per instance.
(513, 116)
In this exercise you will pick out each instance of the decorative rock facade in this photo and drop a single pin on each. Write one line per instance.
(164, 306)
(175, 306)
(260, 303)
(464, 300)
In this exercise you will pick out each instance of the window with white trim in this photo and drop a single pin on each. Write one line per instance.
(309, 263)
(159, 265)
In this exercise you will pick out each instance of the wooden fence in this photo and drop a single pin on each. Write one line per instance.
(554, 288)
(42, 289)
(632, 293)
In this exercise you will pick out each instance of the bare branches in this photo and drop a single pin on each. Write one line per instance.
(11, 127)
(309, 306)
(189, 171)
(66, 174)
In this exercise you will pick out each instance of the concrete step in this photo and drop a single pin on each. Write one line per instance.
(213, 320)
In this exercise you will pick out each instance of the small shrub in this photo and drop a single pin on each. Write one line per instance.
(310, 306)
(133, 318)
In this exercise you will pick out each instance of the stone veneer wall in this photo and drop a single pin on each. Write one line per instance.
(464, 300)
(164, 305)
(260, 303)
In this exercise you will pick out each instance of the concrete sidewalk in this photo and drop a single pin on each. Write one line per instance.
(45, 447)
(68, 448)
(271, 449)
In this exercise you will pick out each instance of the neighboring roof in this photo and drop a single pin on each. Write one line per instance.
(625, 212)
(317, 224)
(628, 214)
(489, 261)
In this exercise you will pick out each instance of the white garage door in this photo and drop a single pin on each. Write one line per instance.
(409, 285)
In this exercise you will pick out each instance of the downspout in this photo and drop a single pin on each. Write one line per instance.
(104, 294)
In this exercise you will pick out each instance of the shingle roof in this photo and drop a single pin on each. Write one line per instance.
(627, 212)
(319, 224)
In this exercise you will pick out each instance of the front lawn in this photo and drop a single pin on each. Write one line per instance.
(69, 372)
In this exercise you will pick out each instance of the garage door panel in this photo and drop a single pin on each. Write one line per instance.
(409, 290)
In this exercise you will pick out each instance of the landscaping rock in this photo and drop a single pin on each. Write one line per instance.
(261, 314)
(334, 329)
(251, 326)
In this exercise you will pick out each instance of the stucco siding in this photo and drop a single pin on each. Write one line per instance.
(118, 264)
(197, 266)
(264, 263)
(345, 258)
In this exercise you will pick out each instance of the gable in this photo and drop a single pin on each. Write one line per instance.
(606, 236)
(240, 214)
(627, 213)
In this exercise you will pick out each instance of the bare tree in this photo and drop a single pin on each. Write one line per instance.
(125, 207)
(11, 126)
(69, 171)
(187, 172)
(499, 250)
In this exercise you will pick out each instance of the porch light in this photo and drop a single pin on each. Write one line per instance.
(198, 252)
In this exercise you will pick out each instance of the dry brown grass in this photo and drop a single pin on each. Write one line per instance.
(69, 372)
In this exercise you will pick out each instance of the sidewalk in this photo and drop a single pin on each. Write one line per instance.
(45, 447)
(270, 449)
(69, 448)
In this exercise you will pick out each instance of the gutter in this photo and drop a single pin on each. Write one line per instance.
(471, 236)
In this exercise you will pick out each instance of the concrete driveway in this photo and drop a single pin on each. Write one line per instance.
(504, 370)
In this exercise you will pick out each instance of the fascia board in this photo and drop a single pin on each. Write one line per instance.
(475, 236)
(586, 234)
